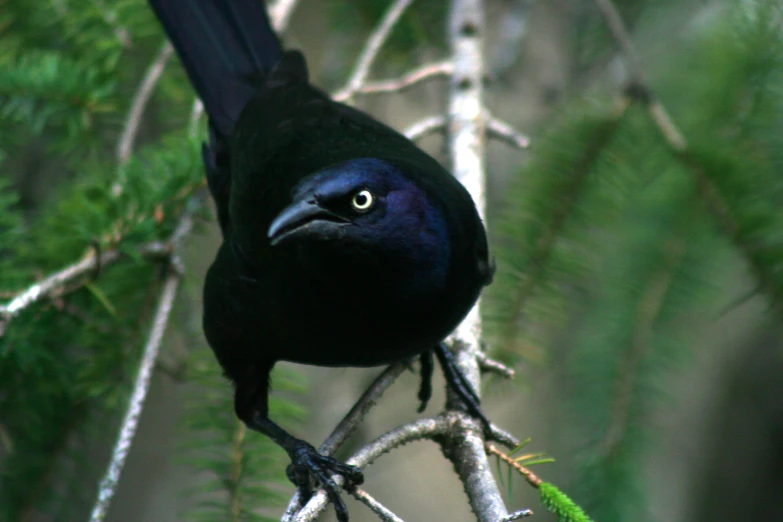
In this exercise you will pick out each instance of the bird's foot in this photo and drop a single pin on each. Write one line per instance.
(425, 388)
(461, 386)
(307, 464)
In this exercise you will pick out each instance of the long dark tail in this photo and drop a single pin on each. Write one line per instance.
(225, 46)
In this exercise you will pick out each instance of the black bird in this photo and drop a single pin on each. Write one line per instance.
(343, 244)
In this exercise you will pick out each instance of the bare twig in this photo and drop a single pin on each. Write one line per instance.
(57, 283)
(420, 429)
(352, 419)
(638, 83)
(425, 127)
(379, 509)
(140, 99)
(280, 14)
(517, 515)
(490, 365)
(360, 409)
(499, 129)
(195, 114)
(108, 485)
(371, 48)
(418, 75)
(52, 285)
(530, 477)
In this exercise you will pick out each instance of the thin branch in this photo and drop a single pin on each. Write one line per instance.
(517, 515)
(425, 127)
(492, 366)
(638, 83)
(52, 285)
(418, 75)
(140, 99)
(280, 14)
(368, 399)
(530, 477)
(352, 419)
(499, 129)
(420, 429)
(195, 115)
(108, 485)
(379, 509)
(57, 283)
(372, 47)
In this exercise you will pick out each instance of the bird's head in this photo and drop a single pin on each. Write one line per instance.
(369, 206)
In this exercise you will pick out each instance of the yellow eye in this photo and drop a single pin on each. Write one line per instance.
(362, 201)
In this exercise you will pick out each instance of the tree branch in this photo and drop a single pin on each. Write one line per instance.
(108, 485)
(143, 94)
(418, 75)
(379, 509)
(371, 48)
(56, 284)
(417, 430)
(466, 130)
(425, 127)
(499, 129)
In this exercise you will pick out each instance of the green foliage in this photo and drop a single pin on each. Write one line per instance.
(615, 247)
(558, 503)
(41, 90)
(69, 72)
(244, 468)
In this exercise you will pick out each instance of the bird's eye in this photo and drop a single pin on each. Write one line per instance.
(362, 201)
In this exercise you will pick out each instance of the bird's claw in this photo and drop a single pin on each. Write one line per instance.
(307, 463)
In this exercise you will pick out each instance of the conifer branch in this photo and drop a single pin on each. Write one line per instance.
(639, 90)
(650, 305)
(545, 244)
(64, 280)
(110, 17)
(529, 476)
(372, 47)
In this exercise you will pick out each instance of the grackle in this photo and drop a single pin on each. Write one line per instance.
(343, 244)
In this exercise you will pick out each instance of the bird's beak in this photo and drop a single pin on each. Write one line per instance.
(305, 219)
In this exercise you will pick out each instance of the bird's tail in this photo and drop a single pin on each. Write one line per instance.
(226, 46)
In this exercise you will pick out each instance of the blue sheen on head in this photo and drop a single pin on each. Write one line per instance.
(405, 228)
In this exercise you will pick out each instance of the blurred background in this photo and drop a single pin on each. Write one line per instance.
(638, 291)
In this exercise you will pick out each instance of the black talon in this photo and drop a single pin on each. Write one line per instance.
(425, 388)
(306, 462)
(461, 386)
